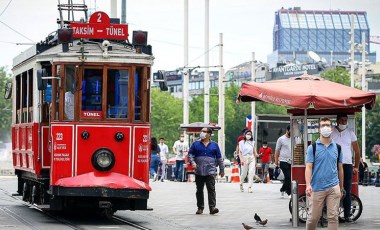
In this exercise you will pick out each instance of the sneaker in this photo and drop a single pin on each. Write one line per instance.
(282, 195)
(199, 211)
(175, 180)
(214, 211)
(162, 180)
(250, 190)
(241, 188)
(155, 177)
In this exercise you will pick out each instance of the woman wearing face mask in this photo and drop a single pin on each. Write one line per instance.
(247, 154)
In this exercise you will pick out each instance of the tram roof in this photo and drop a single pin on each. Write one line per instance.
(93, 52)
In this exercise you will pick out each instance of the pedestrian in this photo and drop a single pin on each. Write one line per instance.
(363, 167)
(164, 156)
(283, 156)
(236, 153)
(324, 182)
(346, 137)
(154, 158)
(205, 156)
(180, 149)
(248, 155)
(265, 155)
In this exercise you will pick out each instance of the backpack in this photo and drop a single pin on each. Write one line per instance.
(339, 151)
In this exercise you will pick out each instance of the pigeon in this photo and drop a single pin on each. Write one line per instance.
(264, 222)
(246, 226)
(257, 218)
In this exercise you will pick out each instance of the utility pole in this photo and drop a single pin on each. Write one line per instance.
(113, 8)
(253, 78)
(352, 49)
(123, 11)
(363, 49)
(186, 72)
(207, 74)
(221, 132)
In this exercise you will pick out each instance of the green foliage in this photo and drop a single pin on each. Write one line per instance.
(5, 107)
(166, 116)
(338, 75)
(372, 129)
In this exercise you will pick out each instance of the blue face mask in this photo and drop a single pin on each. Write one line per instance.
(326, 131)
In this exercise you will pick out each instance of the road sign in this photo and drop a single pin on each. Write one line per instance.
(100, 27)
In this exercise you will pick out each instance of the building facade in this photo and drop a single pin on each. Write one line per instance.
(327, 33)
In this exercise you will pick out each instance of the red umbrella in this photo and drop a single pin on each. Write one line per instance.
(306, 92)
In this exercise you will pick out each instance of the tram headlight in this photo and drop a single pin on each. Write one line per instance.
(103, 159)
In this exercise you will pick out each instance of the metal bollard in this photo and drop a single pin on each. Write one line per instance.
(377, 182)
(295, 216)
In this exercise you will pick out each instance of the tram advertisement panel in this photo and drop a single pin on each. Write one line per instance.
(141, 156)
(62, 151)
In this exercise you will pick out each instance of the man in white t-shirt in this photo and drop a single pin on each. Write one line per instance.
(164, 156)
(347, 139)
(180, 149)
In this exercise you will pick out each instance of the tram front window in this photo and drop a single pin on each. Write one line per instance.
(117, 93)
(92, 91)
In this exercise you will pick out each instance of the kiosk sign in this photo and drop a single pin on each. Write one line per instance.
(100, 27)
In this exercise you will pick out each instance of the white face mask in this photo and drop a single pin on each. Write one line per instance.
(181, 139)
(248, 137)
(326, 131)
(264, 146)
(202, 135)
(342, 127)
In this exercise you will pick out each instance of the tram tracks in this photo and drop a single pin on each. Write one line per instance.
(68, 223)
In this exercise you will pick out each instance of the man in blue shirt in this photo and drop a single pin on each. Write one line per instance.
(324, 182)
(205, 156)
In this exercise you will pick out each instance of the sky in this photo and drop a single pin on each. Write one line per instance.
(247, 26)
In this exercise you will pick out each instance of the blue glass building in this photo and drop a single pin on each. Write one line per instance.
(326, 33)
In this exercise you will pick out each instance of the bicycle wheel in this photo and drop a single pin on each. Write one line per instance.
(302, 208)
(356, 208)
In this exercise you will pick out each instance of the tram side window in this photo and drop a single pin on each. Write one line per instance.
(69, 93)
(92, 90)
(18, 94)
(138, 92)
(117, 93)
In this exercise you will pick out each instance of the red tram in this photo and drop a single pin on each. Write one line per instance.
(80, 123)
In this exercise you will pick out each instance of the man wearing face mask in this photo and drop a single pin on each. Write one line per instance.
(324, 182)
(180, 149)
(283, 156)
(205, 156)
(346, 137)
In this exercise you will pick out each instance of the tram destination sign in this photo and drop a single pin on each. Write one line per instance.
(99, 27)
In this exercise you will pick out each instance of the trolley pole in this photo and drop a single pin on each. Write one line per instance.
(295, 217)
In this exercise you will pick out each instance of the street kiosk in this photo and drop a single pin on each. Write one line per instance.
(309, 98)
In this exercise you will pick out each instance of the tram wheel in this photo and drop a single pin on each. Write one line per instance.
(356, 208)
(25, 192)
(34, 195)
(302, 208)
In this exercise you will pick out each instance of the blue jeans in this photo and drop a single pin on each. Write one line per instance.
(347, 183)
(154, 162)
(179, 169)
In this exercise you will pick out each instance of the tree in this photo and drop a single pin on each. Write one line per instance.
(166, 115)
(5, 108)
(339, 75)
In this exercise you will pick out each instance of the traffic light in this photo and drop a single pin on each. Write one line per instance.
(161, 79)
